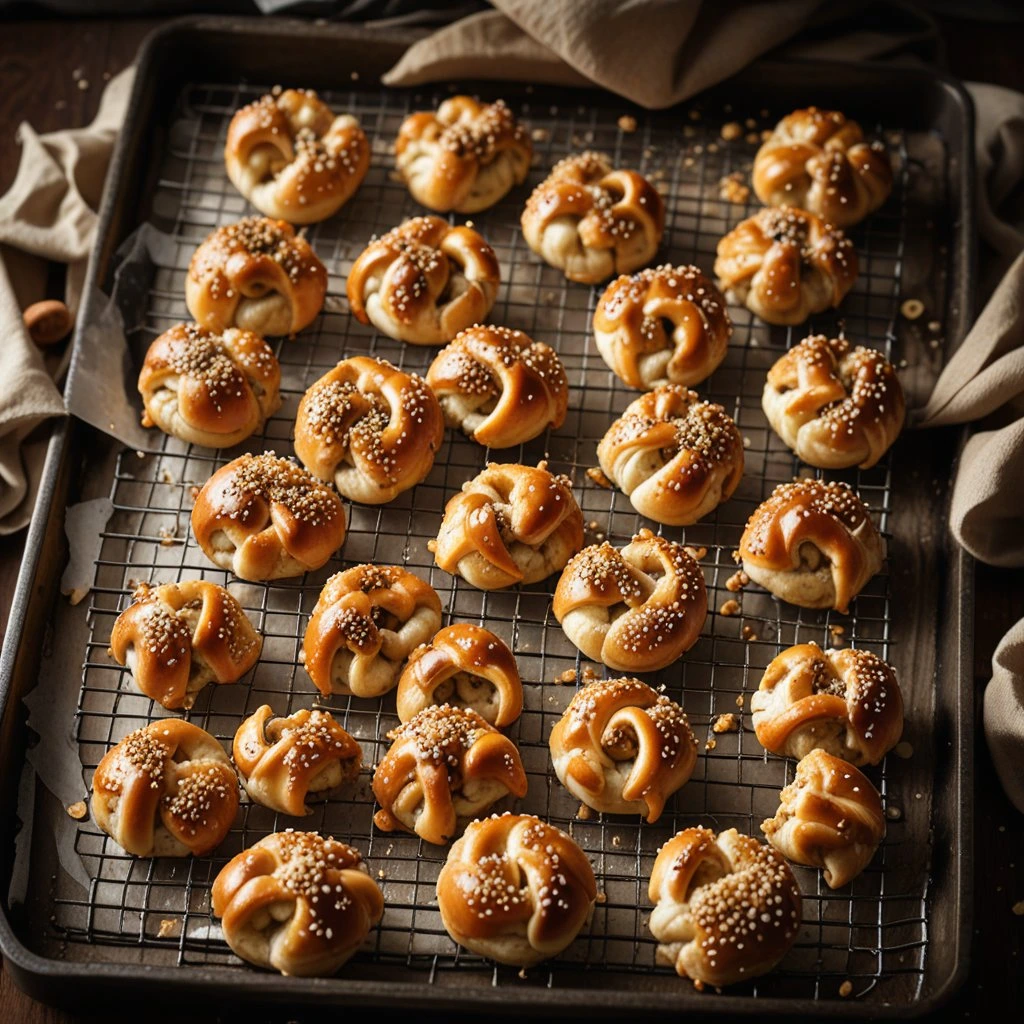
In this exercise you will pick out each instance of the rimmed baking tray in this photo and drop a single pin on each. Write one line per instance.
(898, 935)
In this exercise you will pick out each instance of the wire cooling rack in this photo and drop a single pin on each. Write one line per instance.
(872, 933)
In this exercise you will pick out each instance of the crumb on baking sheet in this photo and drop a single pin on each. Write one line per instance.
(77, 810)
(730, 607)
(589, 674)
(698, 984)
(846, 988)
(733, 189)
(736, 556)
(737, 581)
(766, 134)
(748, 633)
(194, 491)
(1018, 908)
(167, 927)
(912, 308)
(752, 138)
(726, 723)
(568, 676)
(710, 743)
(627, 123)
(584, 813)
(522, 974)
(731, 130)
(601, 897)
(168, 536)
(739, 700)
(893, 813)
(696, 553)
(380, 873)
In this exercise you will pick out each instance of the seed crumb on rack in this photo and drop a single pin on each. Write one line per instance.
(893, 813)
(737, 581)
(695, 553)
(601, 897)
(627, 123)
(912, 309)
(846, 988)
(739, 700)
(698, 985)
(710, 743)
(616, 841)
(726, 723)
(589, 674)
(540, 135)
(167, 927)
(380, 873)
(748, 633)
(731, 130)
(730, 607)
(166, 476)
(736, 556)
(77, 810)
(752, 138)
(766, 134)
(568, 676)
(522, 973)
(934, 326)
(1018, 908)
(584, 813)
(168, 536)
(194, 491)
(733, 189)
(903, 749)
(597, 475)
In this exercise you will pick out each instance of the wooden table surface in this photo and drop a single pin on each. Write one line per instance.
(53, 73)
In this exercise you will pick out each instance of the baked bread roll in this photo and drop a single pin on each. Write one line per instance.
(258, 275)
(830, 817)
(636, 609)
(367, 621)
(663, 325)
(208, 388)
(509, 524)
(424, 281)
(499, 387)
(727, 908)
(370, 428)
(444, 765)
(847, 703)
(812, 543)
(623, 748)
(177, 637)
(515, 889)
(292, 158)
(786, 264)
(835, 405)
(282, 760)
(297, 903)
(465, 156)
(166, 790)
(591, 221)
(675, 456)
(819, 161)
(263, 518)
(466, 666)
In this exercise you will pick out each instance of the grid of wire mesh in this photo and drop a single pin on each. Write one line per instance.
(868, 933)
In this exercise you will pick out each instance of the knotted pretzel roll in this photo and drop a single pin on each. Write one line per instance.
(424, 281)
(847, 703)
(444, 765)
(370, 428)
(177, 637)
(676, 457)
(786, 264)
(591, 221)
(208, 388)
(166, 790)
(662, 325)
(292, 158)
(263, 518)
(634, 610)
(466, 666)
(499, 387)
(623, 748)
(510, 524)
(819, 161)
(367, 621)
(258, 275)
(297, 903)
(834, 405)
(830, 817)
(515, 889)
(463, 157)
(727, 908)
(812, 543)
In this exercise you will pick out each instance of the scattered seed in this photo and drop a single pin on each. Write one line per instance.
(737, 581)
(731, 130)
(846, 988)
(912, 309)
(711, 743)
(77, 810)
(730, 607)
(167, 927)
(696, 553)
(726, 723)
(627, 123)
(584, 813)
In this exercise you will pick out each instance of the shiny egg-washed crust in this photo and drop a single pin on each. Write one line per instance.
(515, 889)
(834, 404)
(812, 543)
(465, 156)
(818, 160)
(846, 702)
(509, 524)
(499, 387)
(637, 609)
(282, 760)
(166, 790)
(444, 766)
(367, 621)
(727, 908)
(466, 666)
(623, 748)
(256, 274)
(177, 637)
(662, 325)
(675, 456)
(786, 264)
(591, 221)
(209, 388)
(830, 817)
(292, 158)
(424, 281)
(264, 518)
(369, 428)
(296, 903)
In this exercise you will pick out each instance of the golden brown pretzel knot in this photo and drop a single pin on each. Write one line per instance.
(444, 766)
(166, 790)
(846, 702)
(292, 158)
(623, 748)
(177, 637)
(369, 428)
(296, 902)
(515, 889)
(366, 622)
